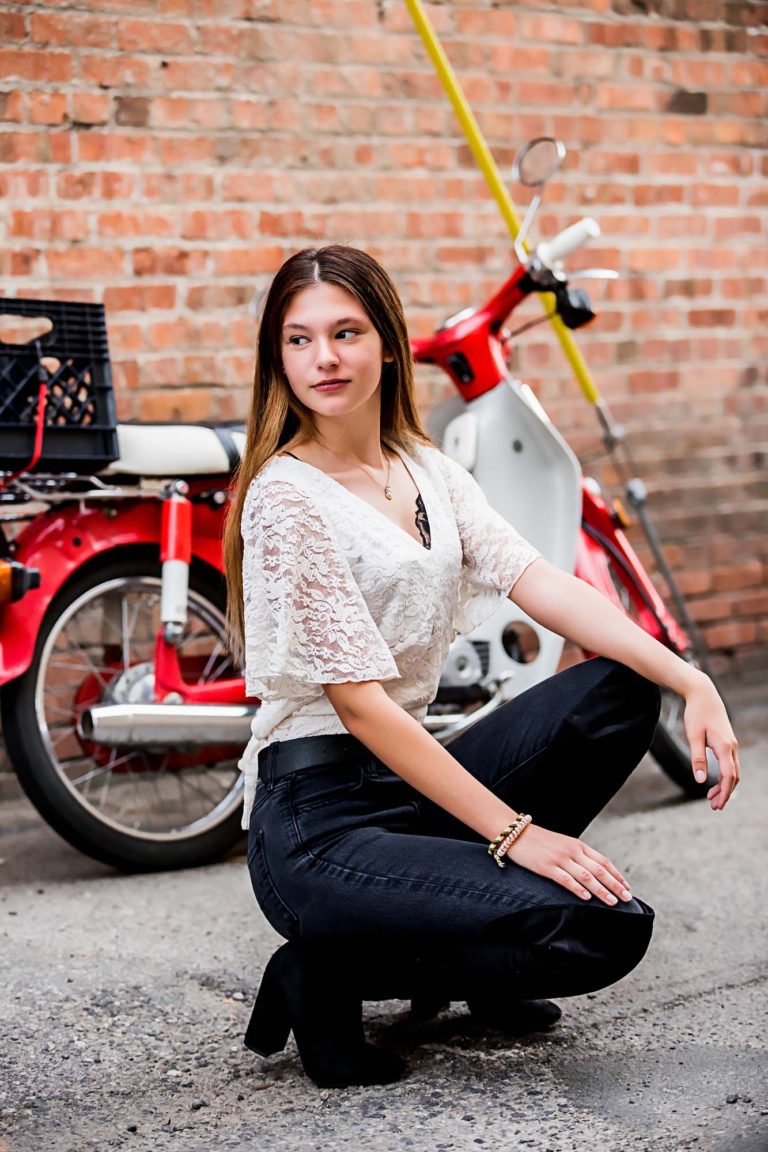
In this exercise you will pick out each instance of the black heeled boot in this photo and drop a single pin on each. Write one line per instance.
(481, 974)
(512, 1017)
(308, 987)
(498, 1013)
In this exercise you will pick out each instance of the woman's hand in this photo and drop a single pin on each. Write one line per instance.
(569, 862)
(707, 725)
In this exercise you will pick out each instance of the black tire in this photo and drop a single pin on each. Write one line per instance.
(31, 746)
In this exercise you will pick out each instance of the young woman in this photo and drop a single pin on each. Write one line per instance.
(394, 866)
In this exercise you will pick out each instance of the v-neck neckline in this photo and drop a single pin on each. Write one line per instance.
(377, 512)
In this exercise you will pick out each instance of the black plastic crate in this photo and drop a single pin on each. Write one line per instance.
(80, 432)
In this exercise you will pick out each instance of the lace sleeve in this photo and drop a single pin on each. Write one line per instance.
(495, 555)
(306, 621)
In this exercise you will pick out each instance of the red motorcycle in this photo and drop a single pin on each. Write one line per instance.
(122, 713)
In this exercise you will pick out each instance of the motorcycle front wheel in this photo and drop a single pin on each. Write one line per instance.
(134, 809)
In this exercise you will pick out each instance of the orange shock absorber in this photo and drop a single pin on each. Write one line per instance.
(175, 554)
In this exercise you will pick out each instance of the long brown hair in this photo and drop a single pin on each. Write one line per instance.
(277, 416)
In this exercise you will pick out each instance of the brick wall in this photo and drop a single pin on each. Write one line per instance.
(164, 156)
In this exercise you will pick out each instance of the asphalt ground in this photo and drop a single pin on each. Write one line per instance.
(126, 997)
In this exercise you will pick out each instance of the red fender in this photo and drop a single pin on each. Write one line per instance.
(592, 565)
(61, 541)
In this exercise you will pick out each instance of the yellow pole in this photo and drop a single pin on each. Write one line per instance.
(498, 188)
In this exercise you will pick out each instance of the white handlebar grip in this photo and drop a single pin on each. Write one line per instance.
(568, 241)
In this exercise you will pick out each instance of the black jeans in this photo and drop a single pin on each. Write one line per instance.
(347, 848)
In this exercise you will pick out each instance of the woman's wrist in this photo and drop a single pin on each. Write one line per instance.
(691, 680)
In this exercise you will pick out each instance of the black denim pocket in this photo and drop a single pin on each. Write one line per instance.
(315, 787)
(277, 912)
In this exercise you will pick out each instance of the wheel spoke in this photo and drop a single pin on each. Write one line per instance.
(153, 794)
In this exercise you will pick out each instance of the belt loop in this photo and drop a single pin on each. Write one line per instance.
(265, 759)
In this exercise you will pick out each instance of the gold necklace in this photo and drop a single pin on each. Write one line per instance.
(387, 489)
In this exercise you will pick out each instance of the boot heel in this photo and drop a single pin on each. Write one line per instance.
(269, 1026)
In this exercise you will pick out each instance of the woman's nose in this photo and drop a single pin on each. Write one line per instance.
(327, 354)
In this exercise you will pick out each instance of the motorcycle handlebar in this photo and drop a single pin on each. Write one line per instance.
(568, 241)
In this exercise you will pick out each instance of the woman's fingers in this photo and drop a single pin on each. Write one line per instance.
(730, 773)
(727, 753)
(698, 746)
(571, 883)
(606, 863)
(586, 877)
(571, 863)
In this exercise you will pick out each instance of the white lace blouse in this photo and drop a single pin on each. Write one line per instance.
(336, 591)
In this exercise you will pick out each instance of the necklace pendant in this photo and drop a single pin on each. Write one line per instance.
(388, 492)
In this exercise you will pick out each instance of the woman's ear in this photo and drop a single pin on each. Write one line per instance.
(387, 357)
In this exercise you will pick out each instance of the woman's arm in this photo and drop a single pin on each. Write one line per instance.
(406, 747)
(574, 609)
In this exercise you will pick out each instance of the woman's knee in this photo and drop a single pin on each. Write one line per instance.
(617, 939)
(587, 947)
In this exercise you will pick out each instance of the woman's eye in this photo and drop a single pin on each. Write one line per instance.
(348, 332)
(297, 341)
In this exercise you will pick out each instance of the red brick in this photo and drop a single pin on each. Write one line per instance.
(753, 604)
(169, 261)
(73, 29)
(107, 147)
(249, 186)
(645, 194)
(500, 24)
(29, 185)
(746, 575)
(117, 185)
(90, 108)
(176, 404)
(653, 381)
(47, 107)
(249, 261)
(13, 106)
(177, 187)
(729, 227)
(653, 259)
(711, 317)
(220, 225)
(48, 67)
(13, 26)
(550, 29)
(196, 75)
(117, 225)
(721, 195)
(85, 263)
(730, 635)
(150, 36)
(203, 298)
(514, 58)
(626, 97)
(107, 71)
(139, 298)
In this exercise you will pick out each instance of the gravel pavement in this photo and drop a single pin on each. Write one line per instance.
(126, 998)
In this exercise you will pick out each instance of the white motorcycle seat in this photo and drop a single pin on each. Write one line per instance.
(176, 450)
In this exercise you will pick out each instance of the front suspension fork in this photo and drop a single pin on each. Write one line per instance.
(176, 557)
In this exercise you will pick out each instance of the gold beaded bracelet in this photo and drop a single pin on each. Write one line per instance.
(499, 847)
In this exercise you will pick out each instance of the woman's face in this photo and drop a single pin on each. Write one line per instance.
(331, 351)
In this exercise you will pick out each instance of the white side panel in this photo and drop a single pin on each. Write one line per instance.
(530, 475)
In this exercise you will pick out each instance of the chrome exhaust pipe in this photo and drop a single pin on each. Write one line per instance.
(166, 725)
(179, 725)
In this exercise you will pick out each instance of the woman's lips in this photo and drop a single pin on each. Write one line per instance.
(329, 385)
